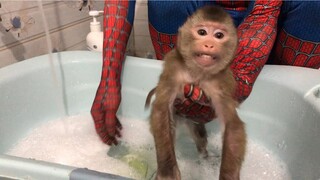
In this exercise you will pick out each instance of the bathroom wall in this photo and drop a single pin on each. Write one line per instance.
(22, 29)
(22, 33)
(142, 44)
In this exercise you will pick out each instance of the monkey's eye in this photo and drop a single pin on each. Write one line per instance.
(202, 32)
(219, 35)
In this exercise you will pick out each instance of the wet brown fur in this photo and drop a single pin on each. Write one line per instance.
(217, 82)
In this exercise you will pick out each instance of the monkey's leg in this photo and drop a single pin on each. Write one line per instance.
(199, 135)
(234, 145)
(163, 130)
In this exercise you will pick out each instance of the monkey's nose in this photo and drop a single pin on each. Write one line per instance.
(208, 46)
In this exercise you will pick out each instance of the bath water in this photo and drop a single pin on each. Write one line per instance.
(73, 141)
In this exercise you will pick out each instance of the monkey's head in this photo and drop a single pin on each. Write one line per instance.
(208, 40)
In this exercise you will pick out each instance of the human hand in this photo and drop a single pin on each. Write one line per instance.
(195, 105)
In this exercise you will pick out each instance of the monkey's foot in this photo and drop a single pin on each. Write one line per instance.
(174, 175)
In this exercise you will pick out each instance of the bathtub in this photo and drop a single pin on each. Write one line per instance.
(282, 112)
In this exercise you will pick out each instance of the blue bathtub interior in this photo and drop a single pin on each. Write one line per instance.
(282, 112)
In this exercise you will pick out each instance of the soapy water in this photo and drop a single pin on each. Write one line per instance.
(73, 141)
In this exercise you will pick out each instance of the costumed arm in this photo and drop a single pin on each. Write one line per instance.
(117, 25)
(257, 35)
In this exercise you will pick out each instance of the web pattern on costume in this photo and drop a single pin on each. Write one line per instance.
(290, 50)
(107, 100)
(162, 42)
(256, 35)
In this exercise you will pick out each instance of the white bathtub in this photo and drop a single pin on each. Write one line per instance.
(282, 112)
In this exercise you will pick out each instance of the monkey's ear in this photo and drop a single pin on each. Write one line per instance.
(180, 35)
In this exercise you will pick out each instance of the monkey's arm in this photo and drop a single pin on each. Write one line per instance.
(256, 34)
(117, 23)
(163, 126)
(234, 145)
(234, 135)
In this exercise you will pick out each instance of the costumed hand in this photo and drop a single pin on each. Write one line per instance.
(103, 112)
(195, 105)
(117, 25)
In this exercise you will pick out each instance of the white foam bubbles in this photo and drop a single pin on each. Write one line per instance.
(73, 141)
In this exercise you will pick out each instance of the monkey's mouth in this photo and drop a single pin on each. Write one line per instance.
(204, 59)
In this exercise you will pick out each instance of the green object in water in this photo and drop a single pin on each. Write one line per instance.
(139, 165)
(123, 152)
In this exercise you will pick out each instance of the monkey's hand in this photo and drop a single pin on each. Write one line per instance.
(103, 112)
(195, 105)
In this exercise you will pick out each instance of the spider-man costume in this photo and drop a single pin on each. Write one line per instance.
(298, 43)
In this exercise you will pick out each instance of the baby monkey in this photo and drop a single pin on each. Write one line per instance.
(206, 46)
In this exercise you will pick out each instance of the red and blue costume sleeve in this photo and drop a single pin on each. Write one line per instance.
(257, 35)
(117, 24)
(298, 40)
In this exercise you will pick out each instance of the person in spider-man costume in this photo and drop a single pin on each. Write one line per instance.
(269, 31)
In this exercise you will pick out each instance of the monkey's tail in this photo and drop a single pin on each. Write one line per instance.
(148, 100)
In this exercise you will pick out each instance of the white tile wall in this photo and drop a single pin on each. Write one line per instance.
(68, 29)
(142, 41)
